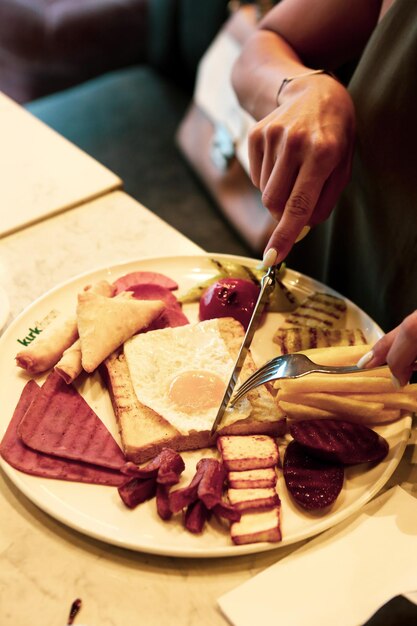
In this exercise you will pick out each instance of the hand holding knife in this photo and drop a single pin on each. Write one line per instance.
(267, 286)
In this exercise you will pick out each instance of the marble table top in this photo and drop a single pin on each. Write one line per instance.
(44, 565)
(41, 172)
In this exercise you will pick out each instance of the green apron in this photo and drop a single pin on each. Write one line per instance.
(367, 249)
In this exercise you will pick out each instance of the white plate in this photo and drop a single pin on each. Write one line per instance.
(98, 511)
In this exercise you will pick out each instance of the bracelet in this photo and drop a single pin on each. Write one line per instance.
(305, 74)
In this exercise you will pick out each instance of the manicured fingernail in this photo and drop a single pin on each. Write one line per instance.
(396, 382)
(304, 231)
(270, 257)
(365, 359)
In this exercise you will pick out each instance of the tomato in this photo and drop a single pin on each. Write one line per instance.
(229, 297)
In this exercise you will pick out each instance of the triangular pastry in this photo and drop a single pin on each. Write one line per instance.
(104, 324)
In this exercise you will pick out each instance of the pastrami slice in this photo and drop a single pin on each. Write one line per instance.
(341, 441)
(169, 318)
(154, 292)
(61, 423)
(124, 283)
(24, 459)
(7, 446)
(313, 483)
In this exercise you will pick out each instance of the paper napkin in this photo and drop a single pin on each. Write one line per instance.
(342, 577)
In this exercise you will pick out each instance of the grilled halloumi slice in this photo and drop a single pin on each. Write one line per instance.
(303, 338)
(320, 310)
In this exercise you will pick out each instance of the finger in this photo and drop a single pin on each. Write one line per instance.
(297, 213)
(279, 186)
(256, 155)
(381, 348)
(330, 193)
(403, 352)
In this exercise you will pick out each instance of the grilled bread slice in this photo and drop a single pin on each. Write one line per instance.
(256, 527)
(248, 453)
(252, 479)
(250, 458)
(257, 499)
(144, 432)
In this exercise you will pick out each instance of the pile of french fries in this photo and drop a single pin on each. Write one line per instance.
(368, 397)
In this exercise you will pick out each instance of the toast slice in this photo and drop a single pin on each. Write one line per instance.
(145, 431)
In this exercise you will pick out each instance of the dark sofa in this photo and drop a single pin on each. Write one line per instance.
(126, 118)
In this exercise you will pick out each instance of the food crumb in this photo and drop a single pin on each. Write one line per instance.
(75, 609)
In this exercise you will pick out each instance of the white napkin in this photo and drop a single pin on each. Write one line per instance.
(341, 577)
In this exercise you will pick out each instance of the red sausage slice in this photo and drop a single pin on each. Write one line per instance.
(341, 441)
(314, 484)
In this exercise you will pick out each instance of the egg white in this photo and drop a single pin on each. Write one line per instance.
(155, 358)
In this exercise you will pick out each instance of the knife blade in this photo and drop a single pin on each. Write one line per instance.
(267, 285)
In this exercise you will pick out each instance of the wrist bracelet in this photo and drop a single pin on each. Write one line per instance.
(305, 74)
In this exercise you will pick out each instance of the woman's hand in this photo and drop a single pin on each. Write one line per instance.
(300, 156)
(398, 348)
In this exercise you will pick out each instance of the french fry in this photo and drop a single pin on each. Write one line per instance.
(337, 355)
(298, 411)
(335, 403)
(338, 383)
(396, 400)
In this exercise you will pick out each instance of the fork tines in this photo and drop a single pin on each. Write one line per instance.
(261, 376)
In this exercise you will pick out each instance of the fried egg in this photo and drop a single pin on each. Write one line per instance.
(181, 373)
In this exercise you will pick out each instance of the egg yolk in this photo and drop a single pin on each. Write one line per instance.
(196, 390)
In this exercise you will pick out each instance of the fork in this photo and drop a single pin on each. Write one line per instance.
(287, 366)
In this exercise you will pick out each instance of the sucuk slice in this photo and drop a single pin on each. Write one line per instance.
(24, 459)
(196, 515)
(166, 468)
(151, 278)
(59, 422)
(155, 478)
(210, 487)
(246, 452)
(313, 483)
(162, 501)
(226, 511)
(184, 496)
(340, 441)
(256, 527)
(137, 490)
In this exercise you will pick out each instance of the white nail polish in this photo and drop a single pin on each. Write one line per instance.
(365, 359)
(270, 257)
(304, 231)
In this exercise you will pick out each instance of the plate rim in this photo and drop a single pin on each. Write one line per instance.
(19, 479)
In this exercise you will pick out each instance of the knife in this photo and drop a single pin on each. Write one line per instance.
(267, 285)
